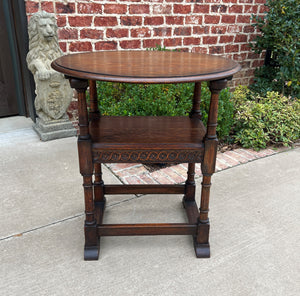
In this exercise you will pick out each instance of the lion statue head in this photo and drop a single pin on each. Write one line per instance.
(43, 41)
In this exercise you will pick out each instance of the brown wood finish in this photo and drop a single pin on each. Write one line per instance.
(149, 139)
(146, 66)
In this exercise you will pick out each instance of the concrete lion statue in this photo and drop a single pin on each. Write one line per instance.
(53, 91)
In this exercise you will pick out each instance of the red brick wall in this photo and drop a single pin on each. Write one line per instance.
(208, 26)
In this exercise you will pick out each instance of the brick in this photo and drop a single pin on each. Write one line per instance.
(140, 32)
(237, 156)
(262, 153)
(228, 19)
(216, 49)
(151, 43)
(115, 8)
(174, 20)
(117, 33)
(191, 41)
(133, 171)
(162, 9)
(201, 30)
(218, 29)
(240, 57)
(226, 38)
(245, 47)
(221, 165)
(245, 153)
(182, 9)
(193, 20)
(241, 38)
(183, 31)
(63, 46)
(218, 8)
(180, 169)
(89, 8)
(198, 171)
(154, 20)
(80, 21)
(106, 45)
(132, 180)
(61, 20)
(130, 44)
(236, 9)
(233, 29)
(257, 63)
(201, 8)
(47, 6)
(231, 48)
(162, 31)
(91, 33)
(227, 160)
(68, 33)
(252, 37)
(172, 42)
(212, 19)
(161, 178)
(248, 29)
(105, 21)
(172, 175)
(253, 55)
(80, 46)
(131, 20)
(32, 7)
(243, 19)
(65, 8)
(263, 9)
(139, 9)
(147, 179)
(250, 9)
(210, 39)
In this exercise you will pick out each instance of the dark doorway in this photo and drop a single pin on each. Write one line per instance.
(16, 82)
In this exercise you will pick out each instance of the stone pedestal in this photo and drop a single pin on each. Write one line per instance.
(54, 129)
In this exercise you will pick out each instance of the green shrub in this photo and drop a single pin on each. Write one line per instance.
(261, 121)
(122, 99)
(280, 36)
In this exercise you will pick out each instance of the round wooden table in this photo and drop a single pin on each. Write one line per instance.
(148, 139)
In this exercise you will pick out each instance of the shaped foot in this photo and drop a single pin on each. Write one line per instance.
(91, 252)
(202, 250)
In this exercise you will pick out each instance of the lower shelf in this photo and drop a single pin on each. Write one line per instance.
(147, 139)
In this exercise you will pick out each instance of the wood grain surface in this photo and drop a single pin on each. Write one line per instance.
(146, 66)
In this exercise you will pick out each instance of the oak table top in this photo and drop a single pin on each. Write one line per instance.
(146, 66)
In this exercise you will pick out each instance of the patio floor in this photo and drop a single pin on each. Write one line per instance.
(254, 214)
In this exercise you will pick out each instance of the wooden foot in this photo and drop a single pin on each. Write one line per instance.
(201, 250)
(91, 252)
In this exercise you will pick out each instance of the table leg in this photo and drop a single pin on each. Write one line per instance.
(99, 197)
(91, 247)
(201, 241)
(190, 186)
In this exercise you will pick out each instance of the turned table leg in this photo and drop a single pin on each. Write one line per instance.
(201, 240)
(190, 186)
(91, 248)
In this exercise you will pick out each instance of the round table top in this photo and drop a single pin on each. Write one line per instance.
(146, 66)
